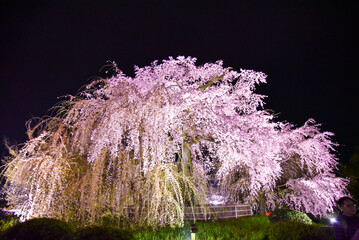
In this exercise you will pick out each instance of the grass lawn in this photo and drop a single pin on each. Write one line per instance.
(254, 227)
(240, 228)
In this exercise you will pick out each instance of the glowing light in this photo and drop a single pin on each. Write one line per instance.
(333, 220)
(217, 200)
(194, 230)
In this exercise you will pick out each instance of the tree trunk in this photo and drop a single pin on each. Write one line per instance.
(262, 204)
(186, 159)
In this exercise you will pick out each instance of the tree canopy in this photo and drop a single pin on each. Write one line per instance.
(143, 148)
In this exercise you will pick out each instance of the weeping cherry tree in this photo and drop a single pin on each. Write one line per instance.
(143, 148)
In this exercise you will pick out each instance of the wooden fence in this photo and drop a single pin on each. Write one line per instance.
(218, 212)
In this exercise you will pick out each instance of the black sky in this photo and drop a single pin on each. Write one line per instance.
(308, 49)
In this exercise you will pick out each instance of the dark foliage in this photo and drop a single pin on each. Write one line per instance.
(295, 230)
(40, 228)
(105, 233)
(7, 221)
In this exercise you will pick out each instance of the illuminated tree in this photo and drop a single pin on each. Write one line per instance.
(143, 148)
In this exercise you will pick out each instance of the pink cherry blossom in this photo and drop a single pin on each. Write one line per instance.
(168, 138)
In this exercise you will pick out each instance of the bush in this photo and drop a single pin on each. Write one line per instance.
(7, 222)
(283, 215)
(295, 230)
(40, 228)
(100, 232)
(290, 230)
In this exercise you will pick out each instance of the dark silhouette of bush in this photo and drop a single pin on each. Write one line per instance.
(40, 229)
(102, 233)
(7, 222)
(295, 230)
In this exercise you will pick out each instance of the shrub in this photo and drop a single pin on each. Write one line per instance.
(290, 230)
(295, 230)
(40, 228)
(7, 222)
(282, 215)
(101, 232)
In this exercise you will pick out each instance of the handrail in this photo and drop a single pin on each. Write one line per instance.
(217, 212)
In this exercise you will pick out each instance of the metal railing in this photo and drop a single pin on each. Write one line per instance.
(217, 212)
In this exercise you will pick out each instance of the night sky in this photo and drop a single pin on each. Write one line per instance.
(308, 49)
